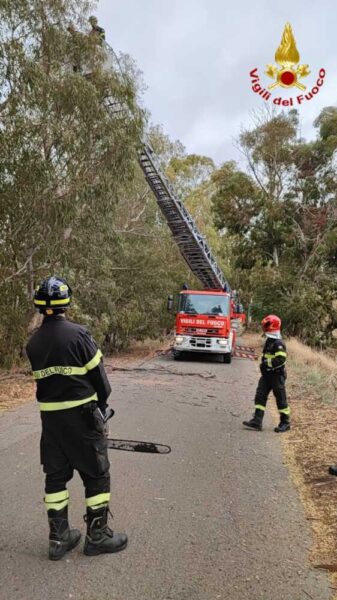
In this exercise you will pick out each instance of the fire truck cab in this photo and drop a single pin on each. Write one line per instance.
(203, 324)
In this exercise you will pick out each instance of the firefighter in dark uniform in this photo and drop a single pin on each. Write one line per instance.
(96, 30)
(72, 391)
(273, 377)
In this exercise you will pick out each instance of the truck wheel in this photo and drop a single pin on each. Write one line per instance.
(177, 355)
(227, 358)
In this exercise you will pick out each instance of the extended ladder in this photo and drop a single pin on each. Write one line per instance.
(191, 243)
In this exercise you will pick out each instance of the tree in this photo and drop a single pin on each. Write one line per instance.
(73, 199)
(64, 158)
(281, 217)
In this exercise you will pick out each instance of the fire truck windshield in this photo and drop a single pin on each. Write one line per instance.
(204, 304)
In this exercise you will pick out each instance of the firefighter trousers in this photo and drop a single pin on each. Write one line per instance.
(69, 442)
(274, 381)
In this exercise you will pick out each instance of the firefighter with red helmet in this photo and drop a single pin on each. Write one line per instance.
(273, 377)
(72, 392)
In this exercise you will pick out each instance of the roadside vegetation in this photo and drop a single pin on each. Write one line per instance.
(73, 200)
(311, 445)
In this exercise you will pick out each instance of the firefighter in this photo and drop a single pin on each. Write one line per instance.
(72, 391)
(273, 377)
(96, 30)
(74, 47)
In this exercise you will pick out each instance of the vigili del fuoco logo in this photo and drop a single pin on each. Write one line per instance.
(287, 74)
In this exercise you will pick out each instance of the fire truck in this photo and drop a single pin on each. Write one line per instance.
(207, 319)
(203, 324)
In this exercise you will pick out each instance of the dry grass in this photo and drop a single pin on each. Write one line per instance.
(311, 357)
(311, 446)
(15, 389)
(319, 368)
(253, 339)
(312, 373)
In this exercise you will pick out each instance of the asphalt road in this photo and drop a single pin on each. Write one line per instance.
(218, 518)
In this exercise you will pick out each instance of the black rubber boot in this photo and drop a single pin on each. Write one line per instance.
(284, 424)
(253, 424)
(100, 539)
(256, 421)
(282, 427)
(62, 539)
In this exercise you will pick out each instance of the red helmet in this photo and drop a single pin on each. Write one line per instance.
(271, 323)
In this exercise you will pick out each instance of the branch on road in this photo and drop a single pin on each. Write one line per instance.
(166, 371)
(308, 595)
(11, 376)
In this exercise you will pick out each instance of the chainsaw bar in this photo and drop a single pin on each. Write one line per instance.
(134, 446)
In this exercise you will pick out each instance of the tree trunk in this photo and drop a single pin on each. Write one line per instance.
(30, 276)
(275, 257)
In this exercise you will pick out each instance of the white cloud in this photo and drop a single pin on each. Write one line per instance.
(196, 56)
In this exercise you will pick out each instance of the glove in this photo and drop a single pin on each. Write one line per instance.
(108, 414)
(97, 418)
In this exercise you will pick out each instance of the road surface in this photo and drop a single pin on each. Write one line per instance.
(218, 518)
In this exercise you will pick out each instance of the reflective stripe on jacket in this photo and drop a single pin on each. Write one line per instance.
(67, 366)
(274, 355)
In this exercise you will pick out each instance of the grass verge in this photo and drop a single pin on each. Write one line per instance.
(311, 446)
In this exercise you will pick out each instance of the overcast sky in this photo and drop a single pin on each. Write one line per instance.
(196, 56)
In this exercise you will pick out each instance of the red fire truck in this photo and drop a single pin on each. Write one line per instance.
(203, 324)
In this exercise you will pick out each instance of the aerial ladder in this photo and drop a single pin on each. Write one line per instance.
(192, 244)
(205, 319)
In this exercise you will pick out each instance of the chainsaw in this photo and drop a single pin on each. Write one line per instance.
(136, 446)
(128, 445)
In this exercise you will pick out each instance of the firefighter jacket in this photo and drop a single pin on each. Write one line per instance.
(274, 356)
(99, 32)
(67, 366)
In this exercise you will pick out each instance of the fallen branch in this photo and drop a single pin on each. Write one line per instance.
(14, 376)
(155, 355)
(319, 483)
(166, 371)
(309, 595)
(327, 567)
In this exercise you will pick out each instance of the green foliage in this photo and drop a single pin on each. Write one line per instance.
(305, 305)
(281, 218)
(326, 122)
(64, 159)
(190, 172)
(236, 201)
(73, 200)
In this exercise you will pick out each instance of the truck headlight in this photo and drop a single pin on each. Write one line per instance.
(179, 339)
(223, 343)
